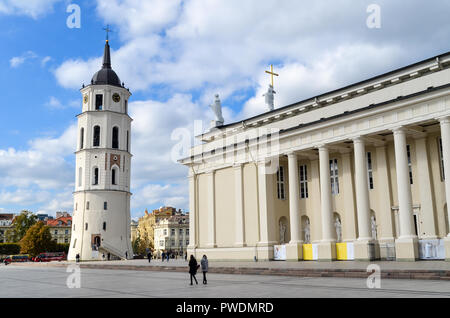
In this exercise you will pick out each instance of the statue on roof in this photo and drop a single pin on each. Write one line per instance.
(270, 98)
(217, 109)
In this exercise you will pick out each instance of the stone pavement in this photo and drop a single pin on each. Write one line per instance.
(431, 270)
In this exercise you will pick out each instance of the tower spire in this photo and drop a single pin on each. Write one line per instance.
(107, 53)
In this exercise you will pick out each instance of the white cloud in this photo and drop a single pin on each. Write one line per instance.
(31, 8)
(43, 165)
(19, 60)
(45, 60)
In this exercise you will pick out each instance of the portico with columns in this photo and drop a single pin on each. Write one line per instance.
(353, 174)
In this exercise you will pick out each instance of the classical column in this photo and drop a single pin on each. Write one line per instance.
(445, 136)
(239, 193)
(327, 247)
(385, 223)
(192, 212)
(294, 194)
(428, 227)
(362, 201)
(267, 226)
(348, 196)
(294, 249)
(211, 210)
(362, 190)
(406, 244)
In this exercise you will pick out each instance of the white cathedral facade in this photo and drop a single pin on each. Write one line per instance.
(359, 173)
(101, 217)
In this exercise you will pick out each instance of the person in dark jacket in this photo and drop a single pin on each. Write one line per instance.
(193, 266)
(204, 263)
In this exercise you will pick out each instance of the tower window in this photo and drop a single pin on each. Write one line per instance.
(104, 226)
(334, 174)
(105, 205)
(98, 102)
(114, 176)
(126, 106)
(82, 138)
(86, 226)
(96, 141)
(95, 181)
(128, 140)
(80, 176)
(87, 205)
(115, 138)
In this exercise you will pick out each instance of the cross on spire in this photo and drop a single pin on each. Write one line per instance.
(272, 73)
(107, 29)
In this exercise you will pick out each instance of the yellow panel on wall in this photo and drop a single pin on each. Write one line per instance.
(307, 252)
(341, 251)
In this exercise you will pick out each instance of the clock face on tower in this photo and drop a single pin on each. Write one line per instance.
(85, 99)
(116, 97)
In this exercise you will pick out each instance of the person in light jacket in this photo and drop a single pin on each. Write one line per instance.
(204, 263)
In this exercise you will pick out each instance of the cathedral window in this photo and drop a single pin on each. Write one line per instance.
(96, 141)
(115, 138)
(334, 175)
(303, 182)
(98, 102)
(441, 159)
(280, 183)
(408, 151)
(370, 170)
(82, 138)
(95, 180)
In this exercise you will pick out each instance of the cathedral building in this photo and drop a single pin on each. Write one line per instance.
(101, 218)
(358, 173)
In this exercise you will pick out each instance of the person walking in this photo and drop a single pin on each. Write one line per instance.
(193, 267)
(204, 263)
(163, 255)
(168, 256)
(149, 255)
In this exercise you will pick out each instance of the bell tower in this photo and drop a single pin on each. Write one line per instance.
(101, 217)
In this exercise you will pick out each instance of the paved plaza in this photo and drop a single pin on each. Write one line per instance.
(50, 281)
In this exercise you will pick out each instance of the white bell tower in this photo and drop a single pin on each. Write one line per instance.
(101, 217)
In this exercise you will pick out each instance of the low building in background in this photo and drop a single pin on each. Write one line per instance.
(146, 224)
(172, 234)
(5, 224)
(44, 217)
(61, 227)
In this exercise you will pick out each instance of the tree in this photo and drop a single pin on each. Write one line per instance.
(37, 240)
(20, 226)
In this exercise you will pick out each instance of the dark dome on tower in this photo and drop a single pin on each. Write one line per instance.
(106, 76)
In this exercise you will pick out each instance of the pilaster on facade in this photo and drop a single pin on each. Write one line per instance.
(239, 194)
(211, 209)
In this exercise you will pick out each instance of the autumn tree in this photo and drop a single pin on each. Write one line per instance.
(20, 226)
(37, 240)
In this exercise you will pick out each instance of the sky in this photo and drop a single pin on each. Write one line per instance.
(175, 55)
